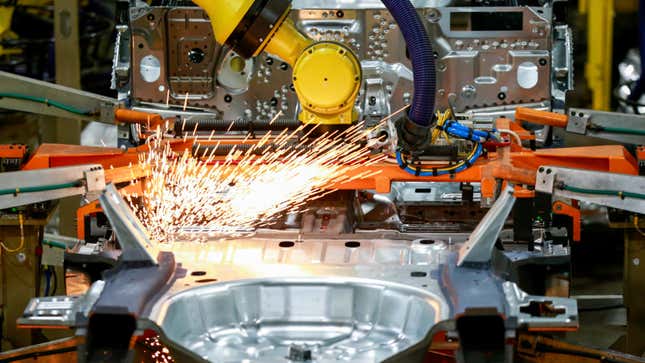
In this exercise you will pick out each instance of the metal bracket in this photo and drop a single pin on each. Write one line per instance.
(91, 178)
(120, 63)
(479, 246)
(60, 311)
(564, 311)
(131, 234)
(99, 108)
(592, 123)
(578, 122)
(599, 184)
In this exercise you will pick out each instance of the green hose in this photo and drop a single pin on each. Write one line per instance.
(55, 244)
(41, 188)
(48, 102)
(604, 192)
(621, 130)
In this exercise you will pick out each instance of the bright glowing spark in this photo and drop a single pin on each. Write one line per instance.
(253, 185)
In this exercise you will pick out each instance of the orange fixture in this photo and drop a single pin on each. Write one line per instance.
(562, 208)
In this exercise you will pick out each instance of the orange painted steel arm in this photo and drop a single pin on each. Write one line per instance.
(13, 151)
(137, 117)
(520, 167)
(541, 117)
(562, 208)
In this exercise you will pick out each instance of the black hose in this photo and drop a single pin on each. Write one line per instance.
(210, 124)
(422, 57)
(224, 150)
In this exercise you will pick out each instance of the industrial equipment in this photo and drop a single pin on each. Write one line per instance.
(412, 145)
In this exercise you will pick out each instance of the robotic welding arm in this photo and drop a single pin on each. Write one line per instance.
(326, 75)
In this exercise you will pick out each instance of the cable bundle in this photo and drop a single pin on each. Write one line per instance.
(448, 128)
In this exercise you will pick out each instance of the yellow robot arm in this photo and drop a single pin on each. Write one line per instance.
(326, 75)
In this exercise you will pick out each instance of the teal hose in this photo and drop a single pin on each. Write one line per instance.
(48, 102)
(604, 192)
(55, 244)
(41, 188)
(620, 130)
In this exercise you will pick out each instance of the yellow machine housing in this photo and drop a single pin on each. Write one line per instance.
(327, 78)
(327, 75)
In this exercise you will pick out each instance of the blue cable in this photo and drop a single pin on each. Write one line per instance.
(404, 166)
(456, 129)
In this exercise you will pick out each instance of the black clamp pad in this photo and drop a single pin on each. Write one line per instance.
(256, 25)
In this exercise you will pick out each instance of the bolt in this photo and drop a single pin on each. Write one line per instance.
(196, 55)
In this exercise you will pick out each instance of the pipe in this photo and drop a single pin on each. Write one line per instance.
(422, 57)
(210, 124)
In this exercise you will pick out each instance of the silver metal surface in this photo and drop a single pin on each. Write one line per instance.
(596, 120)
(489, 64)
(578, 122)
(60, 310)
(337, 319)
(101, 108)
(479, 247)
(561, 310)
(409, 193)
(131, 234)
(359, 300)
(91, 176)
(550, 179)
(359, 297)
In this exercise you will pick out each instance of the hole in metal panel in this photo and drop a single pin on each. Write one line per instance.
(286, 244)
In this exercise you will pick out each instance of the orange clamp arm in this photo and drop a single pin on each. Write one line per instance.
(573, 212)
(137, 117)
(541, 117)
